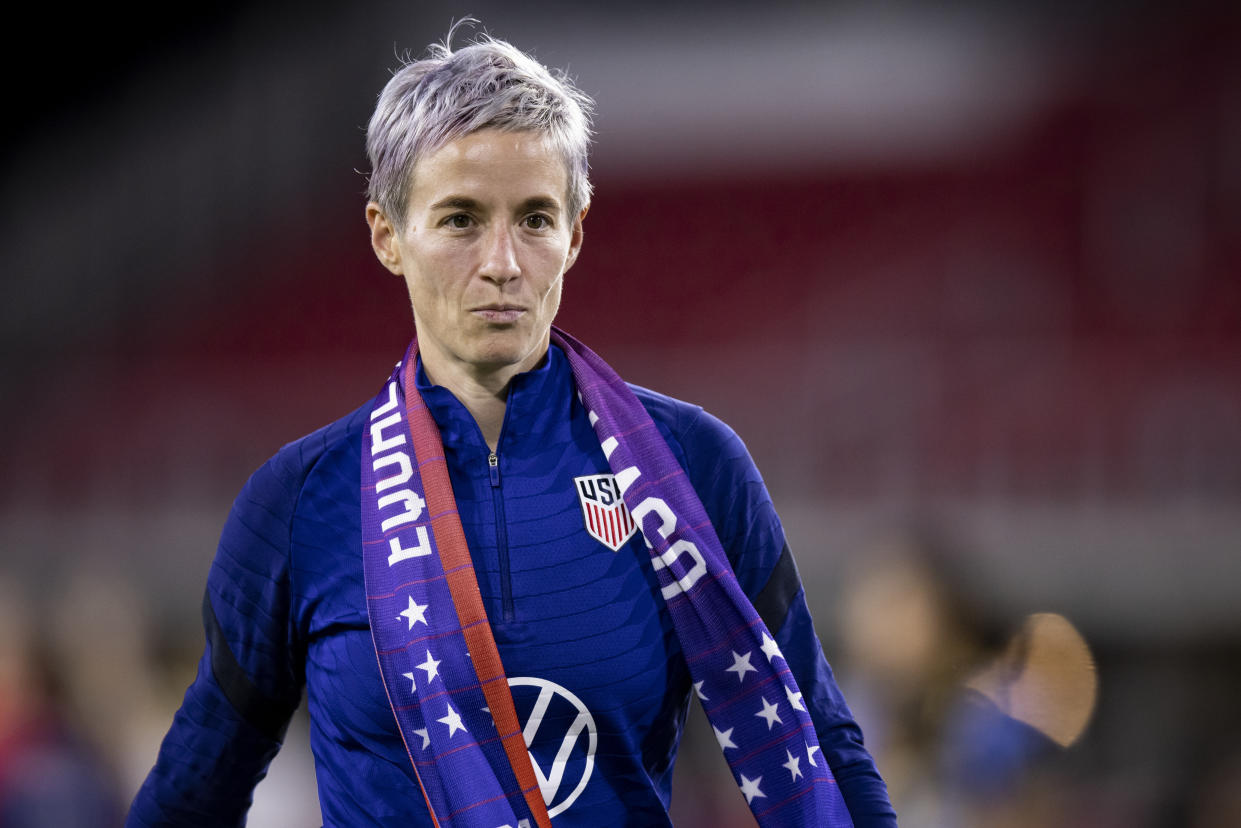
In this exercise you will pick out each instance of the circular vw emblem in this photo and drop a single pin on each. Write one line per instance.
(556, 721)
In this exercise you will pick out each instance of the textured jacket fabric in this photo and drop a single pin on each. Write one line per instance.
(594, 665)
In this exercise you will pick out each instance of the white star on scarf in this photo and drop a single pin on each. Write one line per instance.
(770, 649)
(453, 720)
(810, 749)
(794, 763)
(698, 689)
(741, 665)
(769, 713)
(413, 685)
(426, 740)
(431, 665)
(794, 699)
(415, 613)
(750, 788)
(725, 738)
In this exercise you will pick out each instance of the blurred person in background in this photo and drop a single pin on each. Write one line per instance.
(109, 682)
(968, 711)
(50, 777)
(544, 561)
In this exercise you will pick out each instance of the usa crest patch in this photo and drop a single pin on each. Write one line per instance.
(607, 519)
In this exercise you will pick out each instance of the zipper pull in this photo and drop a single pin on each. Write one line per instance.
(493, 462)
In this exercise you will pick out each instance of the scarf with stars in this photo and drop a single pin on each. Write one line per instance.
(439, 661)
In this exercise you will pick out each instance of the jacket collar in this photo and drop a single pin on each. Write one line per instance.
(538, 400)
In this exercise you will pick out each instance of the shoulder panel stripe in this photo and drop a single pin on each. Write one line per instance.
(777, 596)
(269, 716)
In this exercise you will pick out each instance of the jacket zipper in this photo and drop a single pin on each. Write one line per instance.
(506, 583)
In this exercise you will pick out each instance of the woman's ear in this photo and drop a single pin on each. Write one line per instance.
(575, 242)
(384, 238)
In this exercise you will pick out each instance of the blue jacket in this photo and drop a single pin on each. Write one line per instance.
(578, 626)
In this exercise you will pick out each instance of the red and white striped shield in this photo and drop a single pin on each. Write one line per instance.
(607, 519)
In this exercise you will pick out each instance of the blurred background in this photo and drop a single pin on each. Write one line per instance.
(965, 276)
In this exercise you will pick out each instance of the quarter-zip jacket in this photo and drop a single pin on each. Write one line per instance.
(597, 674)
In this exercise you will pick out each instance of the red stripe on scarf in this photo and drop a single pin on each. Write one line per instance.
(459, 573)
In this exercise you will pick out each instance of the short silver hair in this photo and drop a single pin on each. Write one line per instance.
(449, 94)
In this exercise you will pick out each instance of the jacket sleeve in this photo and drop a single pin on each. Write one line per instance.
(732, 490)
(234, 716)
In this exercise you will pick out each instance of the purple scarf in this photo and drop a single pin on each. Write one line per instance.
(469, 768)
